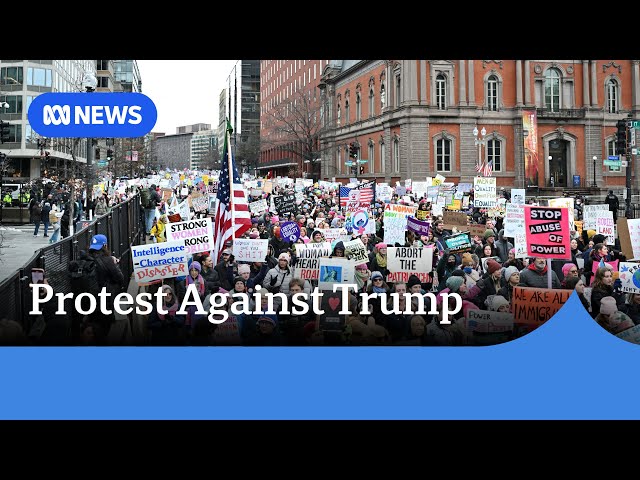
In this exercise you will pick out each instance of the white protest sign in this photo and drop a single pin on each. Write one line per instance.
(334, 271)
(356, 252)
(395, 222)
(183, 210)
(514, 220)
(250, 250)
(484, 189)
(634, 235)
(258, 207)
(606, 227)
(520, 244)
(158, 261)
(518, 196)
(195, 235)
(308, 259)
(334, 234)
(200, 204)
(565, 202)
(590, 213)
(403, 262)
(630, 277)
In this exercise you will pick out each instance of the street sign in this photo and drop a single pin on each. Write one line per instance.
(102, 164)
(614, 157)
(634, 151)
(633, 137)
(611, 163)
(625, 163)
(635, 123)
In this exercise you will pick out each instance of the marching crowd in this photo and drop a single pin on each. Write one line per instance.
(484, 276)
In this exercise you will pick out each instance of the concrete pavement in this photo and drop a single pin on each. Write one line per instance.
(18, 246)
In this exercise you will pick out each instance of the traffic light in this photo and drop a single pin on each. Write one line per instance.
(97, 154)
(109, 154)
(4, 131)
(621, 137)
(353, 150)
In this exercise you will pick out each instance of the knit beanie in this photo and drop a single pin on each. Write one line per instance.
(510, 271)
(467, 260)
(566, 267)
(493, 266)
(413, 280)
(489, 233)
(454, 282)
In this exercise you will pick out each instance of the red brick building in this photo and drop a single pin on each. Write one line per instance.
(290, 117)
(416, 118)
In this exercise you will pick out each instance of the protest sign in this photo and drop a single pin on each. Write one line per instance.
(464, 187)
(459, 242)
(630, 277)
(360, 222)
(228, 332)
(290, 232)
(335, 271)
(200, 203)
(403, 262)
(250, 250)
(458, 219)
(356, 252)
(417, 226)
(308, 259)
(596, 265)
(518, 196)
(566, 202)
(485, 321)
(395, 222)
(534, 306)
(158, 261)
(520, 244)
(334, 234)
(547, 232)
(212, 203)
(590, 213)
(195, 235)
(258, 207)
(514, 220)
(331, 305)
(605, 226)
(629, 234)
(285, 204)
(484, 189)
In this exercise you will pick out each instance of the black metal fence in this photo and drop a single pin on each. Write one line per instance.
(123, 226)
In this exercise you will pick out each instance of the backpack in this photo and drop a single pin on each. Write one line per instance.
(84, 276)
(145, 198)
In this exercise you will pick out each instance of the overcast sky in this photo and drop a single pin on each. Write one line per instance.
(184, 91)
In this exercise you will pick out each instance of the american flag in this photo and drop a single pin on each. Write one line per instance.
(479, 167)
(231, 212)
(367, 192)
(488, 169)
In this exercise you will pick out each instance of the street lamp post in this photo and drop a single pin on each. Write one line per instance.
(594, 184)
(479, 141)
(3, 167)
(551, 179)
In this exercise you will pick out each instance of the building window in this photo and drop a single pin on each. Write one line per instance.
(396, 155)
(346, 112)
(15, 104)
(358, 108)
(552, 90)
(611, 150)
(443, 155)
(383, 157)
(371, 162)
(382, 96)
(103, 82)
(338, 115)
(15, 133)
(102, 64)
(11, 76)
(39, 77)
(398, 84)
(371, 104)
(441, 92)
(612, 96)
(492, 93)
(494, 154)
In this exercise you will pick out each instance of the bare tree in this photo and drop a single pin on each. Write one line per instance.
(249, 152)
(295, 126)
(211, 158)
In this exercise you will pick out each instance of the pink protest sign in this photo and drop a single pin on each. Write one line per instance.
(547, 230)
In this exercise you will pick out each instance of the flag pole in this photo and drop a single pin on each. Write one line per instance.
(231, 196)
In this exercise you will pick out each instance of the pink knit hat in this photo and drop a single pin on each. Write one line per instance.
(566, 267)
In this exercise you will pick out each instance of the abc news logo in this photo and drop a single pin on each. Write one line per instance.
(91, 115)
(95, 115)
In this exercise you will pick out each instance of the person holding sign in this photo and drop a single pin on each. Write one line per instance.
(603, 287)
(535, 275)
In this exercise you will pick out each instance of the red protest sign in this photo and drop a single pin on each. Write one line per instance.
(547, 230)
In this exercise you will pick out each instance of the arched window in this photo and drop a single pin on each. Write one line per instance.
(441, 92)
(396, 155)
(612, 96)
(383, 96)
(346, 112)
(494, 153)
(398, 90)
(611, 150)
(358, 107)
(552, 90)
(492, 93)
(338, 114)
(371, 104)
(370, 166)
(383, 156)
(443, 155)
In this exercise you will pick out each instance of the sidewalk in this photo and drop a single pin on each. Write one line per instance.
(18, 246)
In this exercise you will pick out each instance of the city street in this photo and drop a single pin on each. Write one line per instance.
(18, 246)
